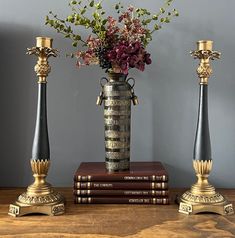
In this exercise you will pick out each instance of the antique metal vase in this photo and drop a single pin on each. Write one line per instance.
(117, 94)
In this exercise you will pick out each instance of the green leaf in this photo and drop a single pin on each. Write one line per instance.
(96, 15)
(148, 21)
(61, 27)
(162, 10)
(98, 6)
(156, 27)
(51, 22)
(175, 12)
(73, 2)
(155, 17)
(92, 3)
(69, 29)
(77, 38)
(74, 44)
(83, 11)
(167, 20)
(104, 21)
(70, 18)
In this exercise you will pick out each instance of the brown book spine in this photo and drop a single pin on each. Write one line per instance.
(95, 192)
(121, 185)
(121, 200)
(90, 178)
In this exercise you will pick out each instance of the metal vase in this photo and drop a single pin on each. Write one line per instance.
(117, 94)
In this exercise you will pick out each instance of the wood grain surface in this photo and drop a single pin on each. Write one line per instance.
(114, 221)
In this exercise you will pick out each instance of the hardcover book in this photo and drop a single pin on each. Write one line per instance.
(121, 200)
(96, 192)
(121, 185)
(139, 171)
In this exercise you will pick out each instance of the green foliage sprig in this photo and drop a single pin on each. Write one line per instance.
(97, 19)
(116, 44)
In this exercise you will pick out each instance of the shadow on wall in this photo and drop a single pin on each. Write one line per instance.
(18, 99)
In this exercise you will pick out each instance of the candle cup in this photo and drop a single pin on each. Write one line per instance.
(205, 45)
(44, 42)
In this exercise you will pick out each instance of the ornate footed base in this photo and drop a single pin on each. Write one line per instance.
(51, 203)
(202, 197)
(191, 203)
(40, 196)
(57, 207)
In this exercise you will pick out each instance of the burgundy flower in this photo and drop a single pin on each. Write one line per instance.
(148, 59)
(121, 47)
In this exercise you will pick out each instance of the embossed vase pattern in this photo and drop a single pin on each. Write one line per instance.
(117, 95)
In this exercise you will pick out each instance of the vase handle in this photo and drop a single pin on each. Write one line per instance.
(101, 96)
(101, 81)
(133, 82)
(134, 98)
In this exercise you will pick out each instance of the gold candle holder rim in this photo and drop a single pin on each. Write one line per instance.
(43, 41)
(204, 45)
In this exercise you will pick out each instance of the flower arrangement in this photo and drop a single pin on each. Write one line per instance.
(116, 44)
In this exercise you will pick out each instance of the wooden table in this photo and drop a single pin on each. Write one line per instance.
(113, 221)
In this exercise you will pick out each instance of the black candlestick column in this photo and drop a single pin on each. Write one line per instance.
(41, 148)
(202, 145)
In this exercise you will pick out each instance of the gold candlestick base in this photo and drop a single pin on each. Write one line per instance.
(40, 196)
(202, 197)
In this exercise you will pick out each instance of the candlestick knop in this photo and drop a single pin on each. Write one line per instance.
(42, 68)
(204, 69)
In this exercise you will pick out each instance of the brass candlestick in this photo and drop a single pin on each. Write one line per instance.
(202, 197)
(40, 197)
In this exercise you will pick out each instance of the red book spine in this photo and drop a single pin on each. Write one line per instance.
(121, 185)
(154, 193)
(121, 200)
(119, 177)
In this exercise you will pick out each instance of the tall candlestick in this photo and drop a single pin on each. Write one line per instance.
(202, 197)
(40, 197)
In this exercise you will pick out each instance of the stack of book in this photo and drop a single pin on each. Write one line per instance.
(144, 183)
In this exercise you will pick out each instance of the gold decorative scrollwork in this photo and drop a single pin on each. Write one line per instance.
(205, 53)
(204, 71)
(30, 199)
(228, 209)
(40, 166)
(42, 68)
(58, 209)
(202, 167)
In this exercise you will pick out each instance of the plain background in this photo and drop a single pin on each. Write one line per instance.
(163, 125)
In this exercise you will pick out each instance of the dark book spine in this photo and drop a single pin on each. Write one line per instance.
(90, 178)
(154, 193)
(121, 200)
(121, 185)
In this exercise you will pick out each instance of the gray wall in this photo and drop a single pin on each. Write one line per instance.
(163, 125)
